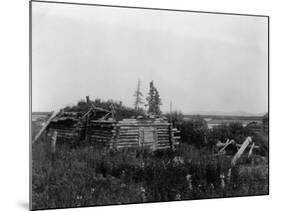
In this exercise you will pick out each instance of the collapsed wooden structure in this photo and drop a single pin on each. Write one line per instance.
(240, 148)
(99, 126)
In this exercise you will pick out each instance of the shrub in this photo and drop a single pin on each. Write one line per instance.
(194, 131)
(232, 131)
(121, 111)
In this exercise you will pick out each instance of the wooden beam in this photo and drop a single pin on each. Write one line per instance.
(241, 150)
(54, 114)
(251, 150)
(228, 142)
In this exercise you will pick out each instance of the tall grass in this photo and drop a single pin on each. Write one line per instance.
(92, 175)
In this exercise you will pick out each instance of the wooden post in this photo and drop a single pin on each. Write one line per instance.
(141, 137)
(112, 111)
(116, 137)
(141, 140)
(251, 150)
(172, 141)
(86, 128)
(241, 150)
(53, 145)
(155, 137)
(88, 100)
(54, 141)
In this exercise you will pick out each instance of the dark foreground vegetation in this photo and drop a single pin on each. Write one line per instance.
(91, 175)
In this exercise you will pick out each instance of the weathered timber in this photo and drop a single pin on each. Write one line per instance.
(54, 114)
(153, 133)
(241, 150)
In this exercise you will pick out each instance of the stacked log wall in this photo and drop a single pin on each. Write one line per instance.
(67, 131)
(127, 133)
(102, 132)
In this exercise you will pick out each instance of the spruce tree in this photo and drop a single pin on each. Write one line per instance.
(153, 100)
(157, 102)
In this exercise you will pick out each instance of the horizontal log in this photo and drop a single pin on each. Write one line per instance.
(104, 121)
(126, 145)
(100, 137)
(135, 145)
(136, 132)
(125, 139)
(64, 128)
(142, 120)
(163, 141)
(128, 135)
(67, 137)
(163, 134)
(128, 131)
(142, 125)
(102, 125)
(161, 129)
(103, 140)
(101, 129)
(68, 132)
(164, 147)
(100, 133)
(105, 145)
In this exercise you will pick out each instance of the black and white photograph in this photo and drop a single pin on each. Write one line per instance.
(139, 105)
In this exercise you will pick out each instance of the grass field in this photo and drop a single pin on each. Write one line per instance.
(91, 175)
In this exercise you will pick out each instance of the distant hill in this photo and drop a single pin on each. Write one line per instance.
(225, 117)
(234, 113)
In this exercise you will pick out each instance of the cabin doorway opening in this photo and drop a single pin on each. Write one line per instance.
(148, 138)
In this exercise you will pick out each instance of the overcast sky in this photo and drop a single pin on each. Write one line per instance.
(201, 62)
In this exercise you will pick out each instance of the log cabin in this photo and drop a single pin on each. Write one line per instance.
(154, 133)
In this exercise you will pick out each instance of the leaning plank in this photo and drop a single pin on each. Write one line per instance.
(241, 150)
(251, 150)
(55, 113)
(227, 143)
